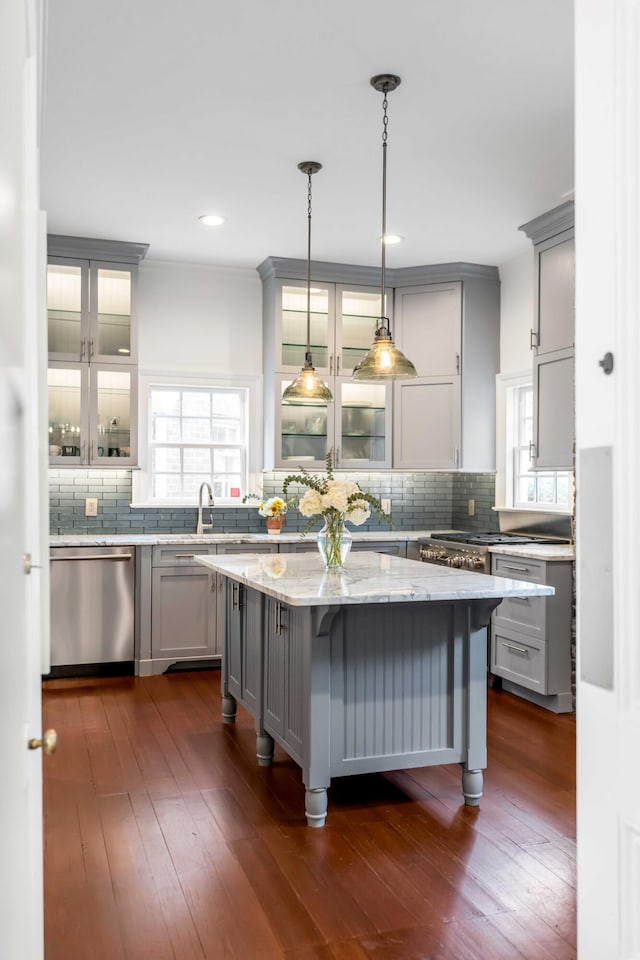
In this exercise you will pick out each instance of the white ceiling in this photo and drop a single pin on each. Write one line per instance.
(158, 111)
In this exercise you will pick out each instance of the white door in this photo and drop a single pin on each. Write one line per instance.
(608, 474)
(21, 517)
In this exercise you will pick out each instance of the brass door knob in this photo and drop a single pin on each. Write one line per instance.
(48, 743)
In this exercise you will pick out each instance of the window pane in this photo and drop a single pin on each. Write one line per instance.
(196, 404)
(165, 401)
(166, 460)
(198, 461)
(165, 428)
(196, 429)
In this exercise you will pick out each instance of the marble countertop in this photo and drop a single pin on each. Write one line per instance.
(537, 551)
(144, 539)
(300, 580)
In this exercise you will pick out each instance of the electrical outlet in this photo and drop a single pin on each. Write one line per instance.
(471, 506)
(91, 507)
(385, 504)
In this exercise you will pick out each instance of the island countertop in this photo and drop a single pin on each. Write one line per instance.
(301, 580)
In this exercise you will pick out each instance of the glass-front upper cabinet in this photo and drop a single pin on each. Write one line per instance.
(91, 411)
(356, 427)
(343, 321)
(291, 336)
(358, 316)
(365, 425)
(89, 307)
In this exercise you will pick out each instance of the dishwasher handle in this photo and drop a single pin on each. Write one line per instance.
(96, 556)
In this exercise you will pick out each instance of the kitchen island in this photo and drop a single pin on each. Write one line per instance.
(379, 666)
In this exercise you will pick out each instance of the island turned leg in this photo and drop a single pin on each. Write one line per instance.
(315, 806)
(229, 708)
(471, 786)
(264, 748)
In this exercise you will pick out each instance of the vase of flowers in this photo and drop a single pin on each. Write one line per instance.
(334, 502)
(274, 510)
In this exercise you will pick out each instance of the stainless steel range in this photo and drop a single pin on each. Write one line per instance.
(470, 550)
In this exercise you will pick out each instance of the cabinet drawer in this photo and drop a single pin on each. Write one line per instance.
(227, 548)
(518, 568)
(519, 658)
(522, 613)
(179, 556)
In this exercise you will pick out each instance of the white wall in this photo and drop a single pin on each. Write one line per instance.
(516, 313)
(197, 318)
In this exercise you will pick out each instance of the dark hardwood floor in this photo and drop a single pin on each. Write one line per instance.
(164, 840)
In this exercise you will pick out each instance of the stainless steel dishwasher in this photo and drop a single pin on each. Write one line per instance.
(92, 610)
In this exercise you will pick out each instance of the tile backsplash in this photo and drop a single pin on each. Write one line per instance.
(419, 501)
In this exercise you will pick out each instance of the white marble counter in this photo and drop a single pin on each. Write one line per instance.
(537, 551)
(300, 580)
(144, 539)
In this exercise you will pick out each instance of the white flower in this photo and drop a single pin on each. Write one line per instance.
(310, 503)
(336, 496)
(359, 512)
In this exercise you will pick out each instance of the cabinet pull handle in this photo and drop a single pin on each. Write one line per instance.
(90, 348)
(457, 363)
(512, 566)
(337, 364)
(533, 340)
(330, 364)
(532, 451)
(522, 599)
(512, 646)
(184, 556)
(456, 457)
(234, 595)
(83, 347)
(277, 625)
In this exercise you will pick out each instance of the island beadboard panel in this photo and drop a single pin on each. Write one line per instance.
(419, 501)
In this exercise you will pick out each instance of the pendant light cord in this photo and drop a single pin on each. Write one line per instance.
(385, 137)
(308, 356)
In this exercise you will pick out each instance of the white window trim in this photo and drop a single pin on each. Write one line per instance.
(140, 485)
(505, 382)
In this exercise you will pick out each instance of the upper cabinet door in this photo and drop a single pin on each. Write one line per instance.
(291, 326)
(428, 325)
(68, 309)
(112, 292)
(363, 425)
(357, 318)
(555, 293)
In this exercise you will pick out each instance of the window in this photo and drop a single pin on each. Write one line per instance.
(196, 433)
(549, 489)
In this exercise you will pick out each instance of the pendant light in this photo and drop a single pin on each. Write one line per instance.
(384, 361)
(308, 388)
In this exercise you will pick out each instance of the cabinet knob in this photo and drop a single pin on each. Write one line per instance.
(606, 363)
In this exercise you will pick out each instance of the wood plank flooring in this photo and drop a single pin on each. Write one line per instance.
(164, 840)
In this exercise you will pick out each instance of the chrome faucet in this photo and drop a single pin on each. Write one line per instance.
(201, 527)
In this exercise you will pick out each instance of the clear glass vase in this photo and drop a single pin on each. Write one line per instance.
(334, 543)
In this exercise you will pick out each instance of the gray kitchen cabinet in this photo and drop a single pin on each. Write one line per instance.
(284, 627)
(92, 346)
(552, 339)
(396, 548)
(448, 326)
(183, 606)
(531, 636)
(345, 306)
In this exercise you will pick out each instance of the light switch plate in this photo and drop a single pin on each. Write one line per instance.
(385, 504)
(472, 508)
(91, 507)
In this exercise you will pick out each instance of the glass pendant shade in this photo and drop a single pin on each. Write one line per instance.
(308, 388)
(384, 361)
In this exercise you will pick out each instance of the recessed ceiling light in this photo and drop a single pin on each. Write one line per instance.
(391, 238)
(211, 220)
